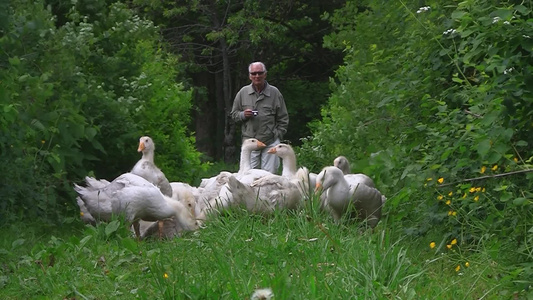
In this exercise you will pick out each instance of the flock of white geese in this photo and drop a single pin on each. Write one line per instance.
(153, 205)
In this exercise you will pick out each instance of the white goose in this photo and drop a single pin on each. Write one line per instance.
(147, 169)
(135, 198)
(216, 196)
(94, 184)
(272, 191)
(288, 157)
(266, 194)
(170, 228)
(343, 164)
(366, 201)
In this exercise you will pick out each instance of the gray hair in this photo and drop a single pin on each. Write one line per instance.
(257, 62)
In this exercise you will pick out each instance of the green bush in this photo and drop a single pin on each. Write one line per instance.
(76, 98)
(437, 94)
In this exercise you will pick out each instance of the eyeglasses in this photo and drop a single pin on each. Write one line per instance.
(257, 73)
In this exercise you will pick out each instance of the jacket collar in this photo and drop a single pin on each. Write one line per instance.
(266, 90)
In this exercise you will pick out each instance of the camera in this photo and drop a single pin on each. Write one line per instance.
(255, 112)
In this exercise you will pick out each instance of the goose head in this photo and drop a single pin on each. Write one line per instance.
(342, 163)
(146, 144)
(247, 147)
(282, 150)
(253, 144)
(328, 177)
(286, 153)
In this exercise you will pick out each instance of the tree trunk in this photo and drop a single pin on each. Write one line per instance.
(205, 115)
(229, 125)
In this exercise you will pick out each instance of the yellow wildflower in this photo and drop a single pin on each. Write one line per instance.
(432, 245)
(440, 180)
(495, 168)
(448, 202)
(472, 189)
(43, 141)
(440, 197)
(483, 169)
(467, 264)
(483, 190)
(450, 213)
(450, 194)
(449, 246)
(454, 241)
(458, 268)
(81, 213)
(454, 213)
(478, 189)
(165, 275)
(515, 160)
(476, 198)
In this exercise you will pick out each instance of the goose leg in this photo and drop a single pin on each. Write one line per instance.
(136, 228)
(160, 227)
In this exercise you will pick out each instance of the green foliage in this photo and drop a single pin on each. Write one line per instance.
(436, 93)
(76, 98)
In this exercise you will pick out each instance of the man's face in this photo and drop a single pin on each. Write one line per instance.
(257, 75)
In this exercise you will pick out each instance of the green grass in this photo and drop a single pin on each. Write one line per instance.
(299, 255)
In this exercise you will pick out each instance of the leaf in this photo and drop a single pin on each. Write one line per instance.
(522, 9)
(456, 79)
(17, 243)
(501, 188)
(506, 196)
(483, 147)
(90, 133)
(84, 241)
(521, 143)
(458, 14)
(37, 124)
(519, 201)
(504, 14)
(112, 227)
(130, 244)
(14, 61)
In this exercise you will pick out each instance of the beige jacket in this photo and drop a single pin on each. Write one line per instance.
(272, 119)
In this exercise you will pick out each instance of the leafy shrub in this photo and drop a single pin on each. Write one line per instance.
(76, 98)
(439, 93)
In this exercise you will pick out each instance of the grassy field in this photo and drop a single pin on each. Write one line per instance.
(300, 255)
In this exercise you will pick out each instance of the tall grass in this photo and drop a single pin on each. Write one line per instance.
(299, 255)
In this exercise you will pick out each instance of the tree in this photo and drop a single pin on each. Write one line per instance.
(220, 39)
(63, 118)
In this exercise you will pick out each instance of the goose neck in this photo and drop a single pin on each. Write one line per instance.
(289, 167)
(244, 164)
(148, 155)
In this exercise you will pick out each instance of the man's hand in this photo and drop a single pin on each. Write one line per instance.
(248, 113)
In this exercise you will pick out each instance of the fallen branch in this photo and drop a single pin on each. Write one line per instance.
(486, 177)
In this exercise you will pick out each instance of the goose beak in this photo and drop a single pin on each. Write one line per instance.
(260, 144)
(318, 187)
(272, 150)
(141, 147)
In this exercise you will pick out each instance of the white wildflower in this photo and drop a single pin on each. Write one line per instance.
(526, 36)
(507, 71)
(506, 23)
(496, 20)
(449, 31)
(262, 294)
(423, 9)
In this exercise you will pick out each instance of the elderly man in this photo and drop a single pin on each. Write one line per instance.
(261, 109)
